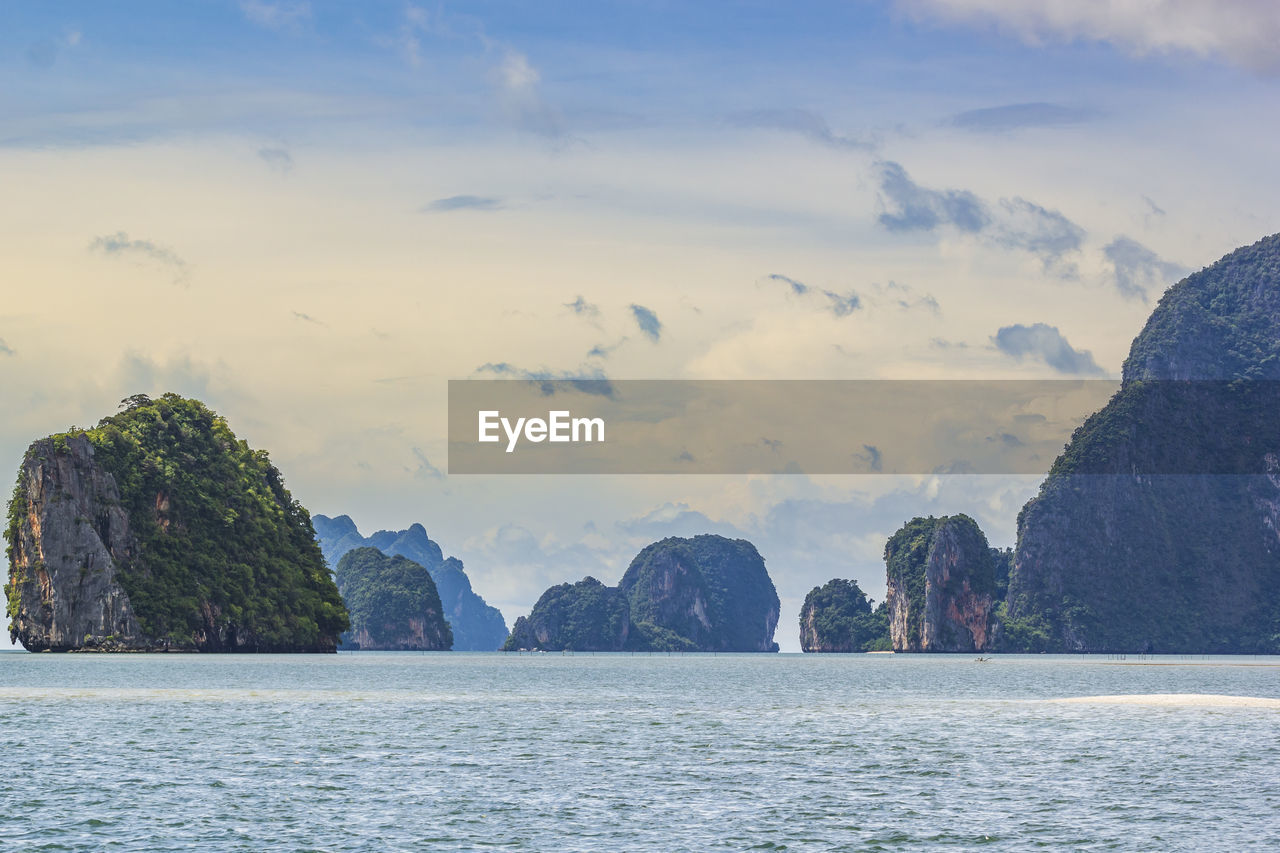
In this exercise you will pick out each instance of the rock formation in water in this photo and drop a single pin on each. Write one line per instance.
(476, 625)
(712, 591)
(941, 578)
(584, 616)
(1157, 528)
(707, 593)
(159, 530)
(837, 617)
(393, 603)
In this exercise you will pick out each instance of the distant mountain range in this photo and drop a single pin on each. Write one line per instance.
(476, 626)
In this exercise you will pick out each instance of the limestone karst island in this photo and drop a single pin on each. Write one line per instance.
(1156, 530)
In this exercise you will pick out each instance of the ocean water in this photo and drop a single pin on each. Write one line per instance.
(370, 751)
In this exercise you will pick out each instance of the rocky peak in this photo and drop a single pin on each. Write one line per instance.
(940, 578)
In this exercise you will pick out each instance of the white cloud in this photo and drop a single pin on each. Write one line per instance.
(276, 16)
(519, 90)
(1243, 32)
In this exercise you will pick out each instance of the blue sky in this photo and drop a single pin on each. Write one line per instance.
(312, 215)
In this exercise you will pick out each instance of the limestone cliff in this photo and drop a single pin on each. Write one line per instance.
(706, 593)
(476, 625)
(940, 578)
(393, 603)
(159, 530)
(63, 589)
(837, 617)
(712, 591)
(1157, 529)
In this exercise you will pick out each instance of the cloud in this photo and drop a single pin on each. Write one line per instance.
(425, 470)
(799, 288)
(841, 305)
(587, 380)
(5, 349)
(1012, 224)
(281, 16)
(911, 207)
(905, 297)
(806, 123)
(605, 350)
(120, 245)
(518, 86)
(583, 308)
(462, 202)
(1045, 343)
(1047, 234)
(647, 321)
(1136, 268)
(1241, 32)
(277, 159)
(1017, 116)
(872, 456)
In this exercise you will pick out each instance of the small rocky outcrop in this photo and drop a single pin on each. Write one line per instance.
(712, 591)
(837, 617)
(476, 625)
(583, 616)
(393, 603)
(941, 578)
(158, 530)
(707, 593)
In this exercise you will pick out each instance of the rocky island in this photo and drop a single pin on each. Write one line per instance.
(837, 617)
(393, 604)
(476, 625)
(941, 577)
(159, 530)
(706, 593)
(1158, 528)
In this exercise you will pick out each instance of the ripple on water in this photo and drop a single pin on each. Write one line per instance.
(406, 752)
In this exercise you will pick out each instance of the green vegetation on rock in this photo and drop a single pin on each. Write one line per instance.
(393, 603)
(583, 616)
(1156, 529)
(713, 591)
(941, 579)
(837, 617)
(476, 625)
(707, 593)
(215, 553)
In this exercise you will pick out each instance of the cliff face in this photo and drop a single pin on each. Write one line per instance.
(393, 604)
(837, 617)
(1156, 529)
(63, 590)
(714, 592)
(940, 582)
(159, 530)
(707, 593)
(476, 625)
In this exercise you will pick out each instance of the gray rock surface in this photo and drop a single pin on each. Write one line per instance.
(72, 533)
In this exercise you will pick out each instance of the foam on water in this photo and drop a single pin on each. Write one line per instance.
(1177, 700)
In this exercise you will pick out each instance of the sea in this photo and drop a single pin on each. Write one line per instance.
(368, 751)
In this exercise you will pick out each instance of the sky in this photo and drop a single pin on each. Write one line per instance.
(312, 215)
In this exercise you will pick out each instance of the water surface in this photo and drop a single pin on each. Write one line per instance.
(403, 751)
